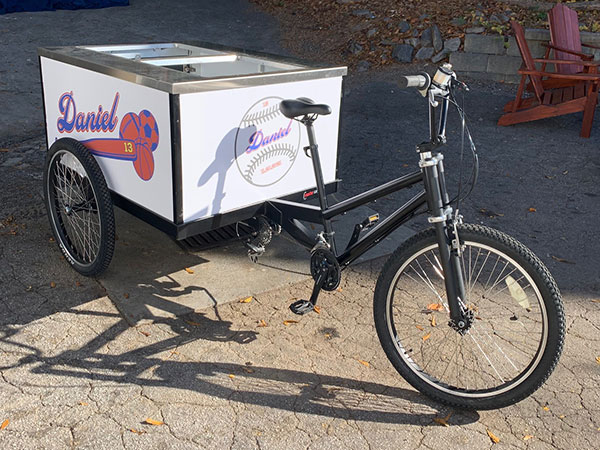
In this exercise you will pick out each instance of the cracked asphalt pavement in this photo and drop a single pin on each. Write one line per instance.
(75, 374)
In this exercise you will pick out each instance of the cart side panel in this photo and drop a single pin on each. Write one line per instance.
(239, 150)
(126, 126)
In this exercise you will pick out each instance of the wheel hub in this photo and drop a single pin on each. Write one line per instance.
(463, 325)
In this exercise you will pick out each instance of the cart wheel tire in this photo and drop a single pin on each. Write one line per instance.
(79, 207)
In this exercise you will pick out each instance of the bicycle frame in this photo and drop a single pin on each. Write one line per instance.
(289, 214)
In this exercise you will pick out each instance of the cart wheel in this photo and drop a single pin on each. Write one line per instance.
(79, 207)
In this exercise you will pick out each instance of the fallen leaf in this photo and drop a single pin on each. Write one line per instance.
(317, 309)
(232, 376)
(289, 322)
(4, 424)
(126, 295)
(145, 333)
(4, 150)
(562, 260)
(246, 300)
(562, 416)
(432, 320)
(495, 439)
(532, 210)
(339, 289)
(51, 239)
(419, 327)
(443, 420)
(52, 284)
(427, 336)
(153, 422)
(191, 322)
(598, 359)
(78, 284)
(527, 437)
(596, 300)
(262, 323)
(248, 369)
(545, 408)
(435, 307)
(364, 363)
(565, 172)
(83, 404)
(327, 335)
(188, 270)
(133, 430)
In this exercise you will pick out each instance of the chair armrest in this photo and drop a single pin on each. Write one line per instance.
(567, 61)
(594, 77)
(590, 46)
(566, 50)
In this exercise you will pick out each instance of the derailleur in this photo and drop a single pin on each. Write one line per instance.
(261, 237)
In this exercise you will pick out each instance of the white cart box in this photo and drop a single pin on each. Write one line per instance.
(190, 138)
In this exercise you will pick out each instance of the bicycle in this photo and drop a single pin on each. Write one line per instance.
(466, 314)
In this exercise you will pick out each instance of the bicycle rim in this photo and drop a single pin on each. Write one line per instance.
(508, 332)
(74, 208)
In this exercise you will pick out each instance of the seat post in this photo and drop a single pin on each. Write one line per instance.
(316, 162)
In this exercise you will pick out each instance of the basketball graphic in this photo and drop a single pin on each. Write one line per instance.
(130, 127)
(144, 164)
(269, 152)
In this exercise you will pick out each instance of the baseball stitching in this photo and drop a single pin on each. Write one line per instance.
(263, 116)
(267, 153)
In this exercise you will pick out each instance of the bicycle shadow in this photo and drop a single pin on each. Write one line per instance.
(224, 159)
(281, 389)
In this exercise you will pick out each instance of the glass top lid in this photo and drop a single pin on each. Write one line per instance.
(199, 61)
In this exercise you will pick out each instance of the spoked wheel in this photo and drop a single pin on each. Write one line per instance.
(79, 207)
(515, 331)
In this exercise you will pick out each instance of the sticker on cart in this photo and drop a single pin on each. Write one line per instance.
(138, 133)
(270, 152)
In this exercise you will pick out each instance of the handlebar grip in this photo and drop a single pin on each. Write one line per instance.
(418, 81)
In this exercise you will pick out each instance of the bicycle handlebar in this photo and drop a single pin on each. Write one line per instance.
(418, 81)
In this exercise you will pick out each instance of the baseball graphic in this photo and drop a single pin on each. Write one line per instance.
(272, 147)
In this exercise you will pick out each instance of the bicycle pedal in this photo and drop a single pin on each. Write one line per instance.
(370, 221)
(301, 307)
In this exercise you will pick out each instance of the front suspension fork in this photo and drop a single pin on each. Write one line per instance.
(448, 242)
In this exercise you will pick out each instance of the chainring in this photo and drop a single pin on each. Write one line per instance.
(323, 258)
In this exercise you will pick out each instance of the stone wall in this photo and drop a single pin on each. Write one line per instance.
(497, 58)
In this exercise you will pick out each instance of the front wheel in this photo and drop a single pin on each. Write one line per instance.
(515, 331)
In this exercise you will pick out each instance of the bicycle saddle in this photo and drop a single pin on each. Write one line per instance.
(301, 107)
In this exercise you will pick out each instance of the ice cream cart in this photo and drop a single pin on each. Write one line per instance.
(188, 138)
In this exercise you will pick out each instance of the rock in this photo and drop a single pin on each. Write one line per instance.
(415, 33)
(436, 37)
(372, 32)
(440, 56)
(424, 53)
(403, 52)
(452, 44)
(499, 18)
(426, 38)
(403, 26)
(475, 30)
(458, 21)
(355, 48)
(412, 41)
(364, 13)
(363, 66)
(359, 27)
(424, 16)
(388, 42)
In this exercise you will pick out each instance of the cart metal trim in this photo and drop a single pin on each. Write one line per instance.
(135, 63)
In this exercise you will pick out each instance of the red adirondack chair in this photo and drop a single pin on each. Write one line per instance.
(580, 92)
(566, 40)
